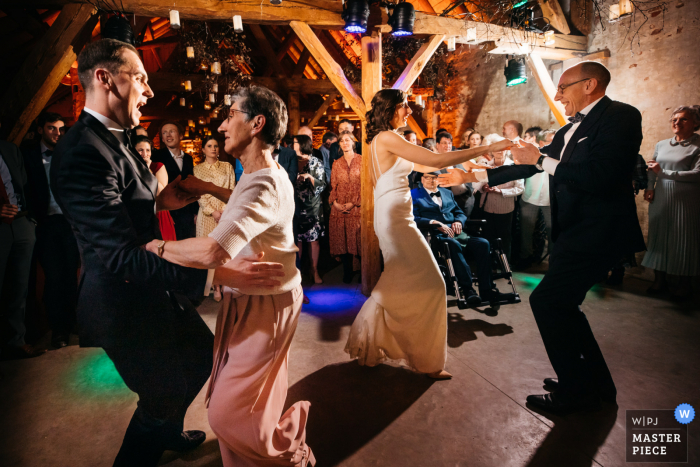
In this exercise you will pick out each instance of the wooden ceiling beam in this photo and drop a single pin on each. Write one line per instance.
(552, 12)
(323, 109)
(44, 68)
(415, 66)
(267, 50)
(301, 64)
(549, 90)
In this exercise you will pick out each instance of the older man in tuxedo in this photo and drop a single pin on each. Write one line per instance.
(160, 346)
(590, 163)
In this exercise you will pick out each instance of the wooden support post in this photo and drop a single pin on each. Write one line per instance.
(321, 110)
(371, 84)
(293, 109)
(330, 67)
(43, 70)
(552, 12)
(549, 90)
(415, 66)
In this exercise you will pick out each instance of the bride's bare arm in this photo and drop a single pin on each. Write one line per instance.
(428, 161)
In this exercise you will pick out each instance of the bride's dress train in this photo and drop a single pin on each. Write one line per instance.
(405, 318)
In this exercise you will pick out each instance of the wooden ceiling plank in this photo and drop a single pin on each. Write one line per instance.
(552, 12)
(324, 107)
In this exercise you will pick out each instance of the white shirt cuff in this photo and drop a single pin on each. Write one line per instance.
(482, 175)
(550, 165)
(210, 280)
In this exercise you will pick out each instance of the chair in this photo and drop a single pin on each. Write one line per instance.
(441, 251)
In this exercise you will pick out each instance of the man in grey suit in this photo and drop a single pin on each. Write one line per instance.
(16, 245)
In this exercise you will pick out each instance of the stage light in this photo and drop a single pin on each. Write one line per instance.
(402, 19)
(355, 15)
(237, 24)
(519, 3)
(276, 2)
(119, 28)
(515, 72)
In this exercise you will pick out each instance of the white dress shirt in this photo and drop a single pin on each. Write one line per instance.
(179, 158)
(437, 199)
(116, 129)
(53, 205)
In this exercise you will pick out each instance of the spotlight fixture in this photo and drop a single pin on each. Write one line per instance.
(519, 3)
(119, 28)
(402, 19)
(276, 2)
(515, 72)
(355, 15)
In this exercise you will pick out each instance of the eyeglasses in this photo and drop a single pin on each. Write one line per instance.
(241, 111)
(562, 87)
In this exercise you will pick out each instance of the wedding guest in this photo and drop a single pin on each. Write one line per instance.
(56, 248)
(343, 126)
(410, 136)
(220, 174)
(177, 163)
(311, 179)
(248, 385)
(327, 141)
(139, 131)
(531, 134)
(305, 130)
(463, 194)
(144, 147)
(465, 138)
(498, 202)
(513, 130)
(16, 246)
(414, 178)
(674, 209)
(345, 240)
(475, 140)
(430, 144)
(545, 137)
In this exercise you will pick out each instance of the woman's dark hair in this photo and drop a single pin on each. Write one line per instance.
(258, 100)
(207, 139)
(306, 145)
(142, 139)
(379, 117)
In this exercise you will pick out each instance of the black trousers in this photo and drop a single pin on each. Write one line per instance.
(567, 336)
(499, 226)
(57, 252)
(184, 223)
(167, 376)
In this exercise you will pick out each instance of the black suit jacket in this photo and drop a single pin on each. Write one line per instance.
(591, 192)
(164, 156)
(287, 158)
(15, 164)
(108, 195)
(38, 181)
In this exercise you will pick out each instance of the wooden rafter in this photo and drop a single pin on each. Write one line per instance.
(330, 67)
(267, 50)
(544, 81)
(415, 66)
(413, 125)
(324, 107)
(302, 62)
(44, 68)
(552, 12)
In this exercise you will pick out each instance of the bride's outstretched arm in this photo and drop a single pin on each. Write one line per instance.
(428, 161)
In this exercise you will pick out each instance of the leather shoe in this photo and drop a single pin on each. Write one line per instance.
(496, 297)
(553, 383)
(59, 342)
(472, 297)
(187, 441)
(556, 403)
(23, 351)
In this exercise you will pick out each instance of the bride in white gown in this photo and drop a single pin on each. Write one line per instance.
(405, 318)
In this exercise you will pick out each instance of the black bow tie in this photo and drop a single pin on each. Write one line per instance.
(48, 153)
(436, 194)
(127, 139)
(578, 118)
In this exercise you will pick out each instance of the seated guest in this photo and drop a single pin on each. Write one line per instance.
(434, 208)
(56, 247)
(414, 177)
(210, 208)
(410, 136)
(463, 193)
(430, 144)
(674, 211)
(177, 164)
(499, 202)
(465, 138)
(144, 147)
(513, 130)
(531, 134)
(308, 215)
(475, 140)
(345, 212)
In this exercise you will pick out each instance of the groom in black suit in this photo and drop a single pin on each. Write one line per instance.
(161, 348)
(594, 223)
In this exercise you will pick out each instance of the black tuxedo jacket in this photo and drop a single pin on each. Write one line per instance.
(38, 181)
(425, 209)
(163, 155)
(15, 164)
(591, 192)
(108, 195)
(287, 158)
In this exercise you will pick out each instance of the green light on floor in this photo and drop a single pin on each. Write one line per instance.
(519, 4)
(516, 81)
(95, 376)
(529, 281)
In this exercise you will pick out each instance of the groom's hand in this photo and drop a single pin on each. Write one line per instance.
(172, 197)
(455, 177)
(248, 271)
(525, 153)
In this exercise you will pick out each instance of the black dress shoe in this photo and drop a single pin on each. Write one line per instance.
(496, 297)
(59, 342)
(472, 297)
(552, 383)
(556, 403)
(187, 441)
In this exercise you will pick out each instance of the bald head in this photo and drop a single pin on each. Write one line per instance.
(305, 130)
(512, 129)
(581, 85)
(593, 70)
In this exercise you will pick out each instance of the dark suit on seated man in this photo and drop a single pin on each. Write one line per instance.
(435, 208)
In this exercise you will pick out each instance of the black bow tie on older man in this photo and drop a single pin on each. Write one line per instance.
(436, 194)
(578, 118)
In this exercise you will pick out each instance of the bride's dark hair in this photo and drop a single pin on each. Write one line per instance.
(383, 109)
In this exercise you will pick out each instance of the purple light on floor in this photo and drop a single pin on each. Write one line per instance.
(331, 300)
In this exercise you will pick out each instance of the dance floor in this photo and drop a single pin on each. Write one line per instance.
(70, 408)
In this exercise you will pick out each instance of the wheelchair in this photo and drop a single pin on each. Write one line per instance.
(501, 267)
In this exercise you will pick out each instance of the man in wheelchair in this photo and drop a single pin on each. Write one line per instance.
(435, 210)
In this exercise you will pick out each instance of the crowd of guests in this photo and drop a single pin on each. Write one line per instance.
(327, 182)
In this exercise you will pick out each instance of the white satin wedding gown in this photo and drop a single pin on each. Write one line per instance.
(405, 318)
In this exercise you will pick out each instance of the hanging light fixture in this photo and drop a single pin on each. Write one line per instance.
(275, 2)
(237, 24)
(212, 97)
(187, 132)
(345, 103)
(337, 118)
(227, 99)
(515, 72)
(174, 19)
(207, 106)
(182, 102)
(626, 8)
(549, 38)
(215, 87)
(190, 52)
(201, 121)
(216, 68)
(119, 28)
(402, 19)
(355, 15)
(204, 66)
(188, 85)
(419, 100)
(451, 44)
(190, 123)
